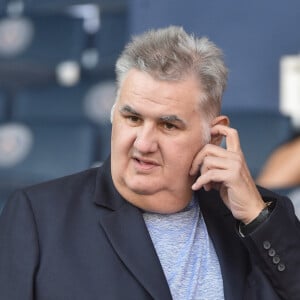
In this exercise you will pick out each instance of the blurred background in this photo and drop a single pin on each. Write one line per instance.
(57, 76)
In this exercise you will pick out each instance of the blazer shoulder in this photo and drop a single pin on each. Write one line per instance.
(72, 180)
(75, 186)
(269, 194)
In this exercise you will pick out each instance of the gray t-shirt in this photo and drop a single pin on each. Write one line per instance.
(186, 253)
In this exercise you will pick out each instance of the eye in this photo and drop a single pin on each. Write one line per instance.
(132, 119)
(169, 126)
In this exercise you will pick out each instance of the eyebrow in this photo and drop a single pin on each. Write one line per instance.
(128, 109)
(167, 118)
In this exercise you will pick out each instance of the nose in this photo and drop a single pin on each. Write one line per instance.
(146, 139)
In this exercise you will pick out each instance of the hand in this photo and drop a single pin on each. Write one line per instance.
(226, 171)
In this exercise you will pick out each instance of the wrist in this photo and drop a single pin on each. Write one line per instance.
(245, 229)
(254, 212)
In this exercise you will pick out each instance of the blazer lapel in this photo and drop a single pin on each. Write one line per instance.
(233, 257)
(126, 230)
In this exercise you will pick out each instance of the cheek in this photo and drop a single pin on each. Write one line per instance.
(180, 155)
(122, 137)
(183, 152)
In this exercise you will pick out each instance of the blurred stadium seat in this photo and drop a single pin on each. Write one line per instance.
(3, 107)
(36, 151)
(260, 132)
(88, 102)
(32, 46)
(111, 38)
(48, 5)
(51, 102)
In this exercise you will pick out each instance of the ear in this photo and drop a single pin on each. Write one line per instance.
(220, 120)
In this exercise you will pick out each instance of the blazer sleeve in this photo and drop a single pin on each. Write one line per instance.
(19, 249)
(275, 247)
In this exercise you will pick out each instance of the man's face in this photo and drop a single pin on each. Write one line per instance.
(157, 131)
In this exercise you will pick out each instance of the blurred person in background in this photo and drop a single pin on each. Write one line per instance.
(171, 214)
(282, 171)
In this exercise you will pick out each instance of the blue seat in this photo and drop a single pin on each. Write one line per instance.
(69, 104)
(39, 151)
(41, 42)
(260, 132)
(4, 194)
(110, 40)
(55, 38)
(50, 102)
(3, 107)
(2, 7)
(45, 5)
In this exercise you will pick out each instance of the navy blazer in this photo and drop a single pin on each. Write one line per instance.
(76, 238)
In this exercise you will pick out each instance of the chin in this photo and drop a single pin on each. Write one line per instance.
(143, 190)
(144, 186)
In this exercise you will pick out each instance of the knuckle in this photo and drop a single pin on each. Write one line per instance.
(238, 166)
(233, 131)
(239, 160)
(206, 160)
(213, 174)
(206, 148)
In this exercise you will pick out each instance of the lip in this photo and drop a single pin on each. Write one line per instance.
(144, 164)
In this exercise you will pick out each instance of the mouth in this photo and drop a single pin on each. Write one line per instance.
(145, 164)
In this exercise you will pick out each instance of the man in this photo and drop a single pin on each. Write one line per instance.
(171, 214)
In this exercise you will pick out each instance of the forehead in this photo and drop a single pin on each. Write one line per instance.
(141, 91)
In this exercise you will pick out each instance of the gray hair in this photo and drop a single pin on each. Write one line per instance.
(171, 54)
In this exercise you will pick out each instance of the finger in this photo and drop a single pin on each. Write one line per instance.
(210, 178)
(231, 136)
(207, 151)
(212, 185)
(215, 162)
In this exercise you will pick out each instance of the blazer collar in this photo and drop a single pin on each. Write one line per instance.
(125, 229)
(105, 193)
(233, 257)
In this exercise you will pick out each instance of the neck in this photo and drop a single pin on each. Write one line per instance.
(164, 202)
